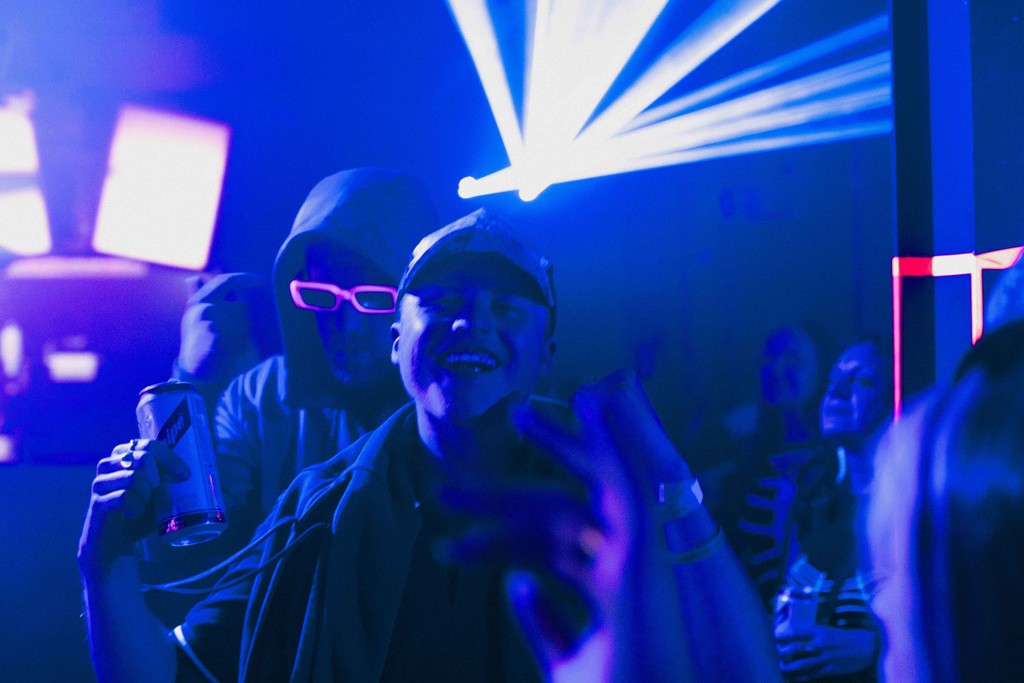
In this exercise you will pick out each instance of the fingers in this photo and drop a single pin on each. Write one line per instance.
(117, 493)
(809, 665)
(121, 505)
(547, 642)
(125, 480)
(150, 456)
(794, 648)
(620, 404)
(225, 287)
(549, 633)
(554, 625)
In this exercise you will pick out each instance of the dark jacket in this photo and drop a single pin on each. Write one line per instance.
(324, 605)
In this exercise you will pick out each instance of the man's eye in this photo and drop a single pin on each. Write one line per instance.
(438, 301)
(867, 381)
(506, 307)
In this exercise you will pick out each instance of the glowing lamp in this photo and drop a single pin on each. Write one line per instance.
(8, 450)
(80, 367)
(26, 227)
(162, 189)
(18, 153)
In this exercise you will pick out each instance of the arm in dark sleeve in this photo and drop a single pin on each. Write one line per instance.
(239, 458)
(210, 638)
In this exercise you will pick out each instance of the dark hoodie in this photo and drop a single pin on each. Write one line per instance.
(379, 214)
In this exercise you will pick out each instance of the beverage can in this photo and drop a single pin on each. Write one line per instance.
(796, 609)
(190, 511)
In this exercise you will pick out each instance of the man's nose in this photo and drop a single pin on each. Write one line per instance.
(344, 318)
(840, 388)
(474, 316)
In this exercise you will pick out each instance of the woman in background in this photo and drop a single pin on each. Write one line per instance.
(822, 551)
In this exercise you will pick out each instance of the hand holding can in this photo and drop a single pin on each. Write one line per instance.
(191, 510)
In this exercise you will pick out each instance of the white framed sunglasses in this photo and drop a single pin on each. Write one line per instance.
(325, 296)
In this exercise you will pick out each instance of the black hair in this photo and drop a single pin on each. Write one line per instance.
(997, 353)
(968, 527)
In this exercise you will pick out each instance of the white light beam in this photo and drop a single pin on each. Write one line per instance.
(861, 32)
(474, 22)
(718, 25)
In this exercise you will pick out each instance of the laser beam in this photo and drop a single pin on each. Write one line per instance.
(575, 51)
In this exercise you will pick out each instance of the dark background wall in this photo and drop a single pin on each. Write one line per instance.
(679, 272)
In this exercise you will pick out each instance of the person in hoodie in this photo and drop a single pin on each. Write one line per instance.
(334, 282)
(272, 414)
(348, 583)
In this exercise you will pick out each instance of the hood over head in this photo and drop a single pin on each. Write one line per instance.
(376, 213)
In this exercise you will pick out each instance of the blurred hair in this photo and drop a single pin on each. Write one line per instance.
(997, 353)
(968, 525)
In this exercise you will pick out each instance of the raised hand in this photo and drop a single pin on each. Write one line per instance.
(217, 335)
(590, 554)
(120, 511)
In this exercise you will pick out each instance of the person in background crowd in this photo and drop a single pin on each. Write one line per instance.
(769, 440)
(824, 554)
(227, 327)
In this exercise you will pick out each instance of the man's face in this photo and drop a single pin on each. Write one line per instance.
(853, 400)
(356, 344)
(467, 338)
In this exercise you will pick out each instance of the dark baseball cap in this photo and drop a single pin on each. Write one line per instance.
(485, 235)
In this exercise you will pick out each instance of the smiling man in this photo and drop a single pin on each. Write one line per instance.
(345, 582)
(477, 319)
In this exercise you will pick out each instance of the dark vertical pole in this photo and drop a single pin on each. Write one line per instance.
(934, 169)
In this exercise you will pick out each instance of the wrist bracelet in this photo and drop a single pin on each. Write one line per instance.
(701, 551)
(680, 498)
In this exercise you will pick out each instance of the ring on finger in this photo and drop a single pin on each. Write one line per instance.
(128, 459)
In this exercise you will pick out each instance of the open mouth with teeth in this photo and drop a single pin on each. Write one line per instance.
(469, 363)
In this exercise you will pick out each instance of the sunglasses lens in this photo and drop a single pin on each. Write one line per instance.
(317, 299)
(383, 302)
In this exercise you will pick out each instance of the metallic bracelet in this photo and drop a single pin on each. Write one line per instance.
(680, 498)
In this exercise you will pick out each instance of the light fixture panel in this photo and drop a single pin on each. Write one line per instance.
(163, 187)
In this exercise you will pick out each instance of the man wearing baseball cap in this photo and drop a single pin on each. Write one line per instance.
(357, 576)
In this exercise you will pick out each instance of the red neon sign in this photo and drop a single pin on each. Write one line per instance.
(939, 266)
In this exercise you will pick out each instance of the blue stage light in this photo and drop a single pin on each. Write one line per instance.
(575, 51)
